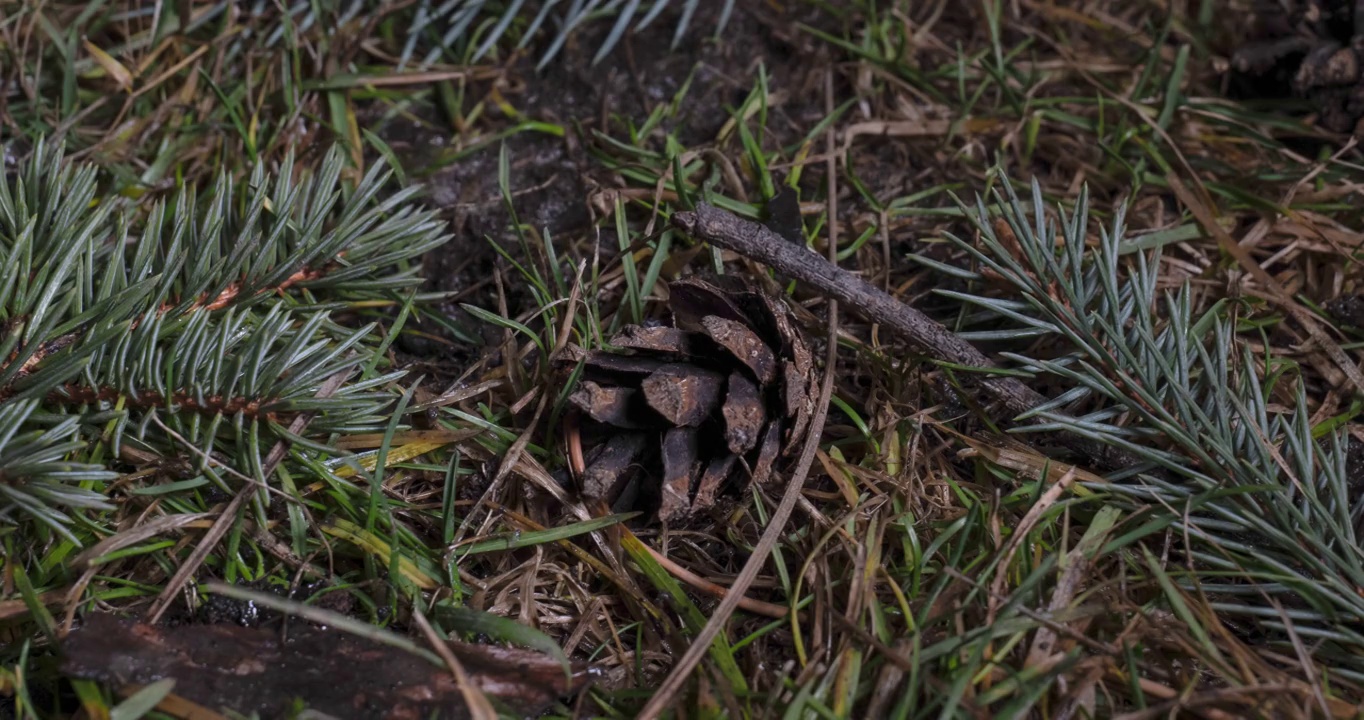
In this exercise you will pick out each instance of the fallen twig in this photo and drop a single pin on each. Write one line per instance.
(668, 690)
(927, 336)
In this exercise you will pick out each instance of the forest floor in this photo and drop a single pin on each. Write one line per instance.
(932, 565)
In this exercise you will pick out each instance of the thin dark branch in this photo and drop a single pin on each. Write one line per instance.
(183, 400)
(927, 337)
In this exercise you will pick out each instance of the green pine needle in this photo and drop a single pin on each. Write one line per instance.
(1257, 494)
(195, 328)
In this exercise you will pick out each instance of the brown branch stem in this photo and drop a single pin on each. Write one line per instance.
(927, 337)
(186, 400)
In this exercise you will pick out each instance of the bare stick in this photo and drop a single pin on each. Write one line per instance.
(927, 336)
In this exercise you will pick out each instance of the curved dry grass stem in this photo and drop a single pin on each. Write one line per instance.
(474, 699)
(663, 698)
(757, 607)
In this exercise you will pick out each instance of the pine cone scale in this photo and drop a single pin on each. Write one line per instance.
(615, 406)
(767, 454)
(672, 341)
(719, 395)
(712, 479)
(743, 344)
(679, 461)
(684, 395)
(692, 301)
(744, 414)
(610, 470)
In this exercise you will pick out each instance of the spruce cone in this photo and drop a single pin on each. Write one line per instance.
(722, 393)
(1311, 48)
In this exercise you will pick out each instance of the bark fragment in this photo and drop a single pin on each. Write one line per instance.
(258, 670)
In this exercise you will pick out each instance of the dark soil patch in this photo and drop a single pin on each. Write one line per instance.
(554, 178)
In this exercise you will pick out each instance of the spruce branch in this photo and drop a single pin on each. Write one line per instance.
(36, 476)
(453, 21)
(259, 367)
(1263, 495)
(210, 314)
(281, 236)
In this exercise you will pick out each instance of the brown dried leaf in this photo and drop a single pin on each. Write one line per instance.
(111, 66)
(744, 414)
(743, 344)
(683, 394)
(611, 469)
(679, 461)
(255, 670)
